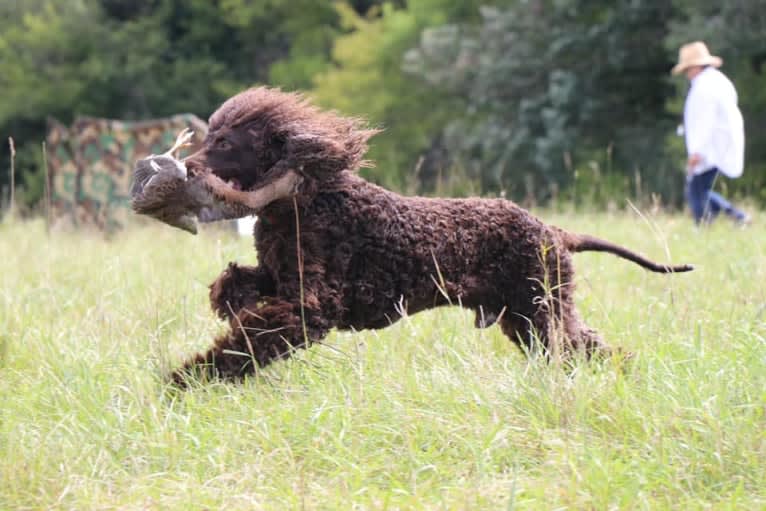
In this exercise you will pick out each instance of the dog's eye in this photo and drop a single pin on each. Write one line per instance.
(223, 145)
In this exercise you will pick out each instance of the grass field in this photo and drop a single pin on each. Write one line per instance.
(426, 414)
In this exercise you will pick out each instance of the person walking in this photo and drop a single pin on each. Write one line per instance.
(714, 133)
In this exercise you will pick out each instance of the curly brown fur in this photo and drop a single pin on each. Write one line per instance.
(344, 253)
(262, 132)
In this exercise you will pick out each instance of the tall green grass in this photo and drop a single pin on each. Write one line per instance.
(429, 413)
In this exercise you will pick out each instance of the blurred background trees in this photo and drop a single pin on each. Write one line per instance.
(537, 99)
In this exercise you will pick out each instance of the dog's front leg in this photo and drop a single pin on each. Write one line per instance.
(259, 335)
(238, 285)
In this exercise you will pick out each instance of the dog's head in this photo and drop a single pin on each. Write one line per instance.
(264, 135)
(163, 189)
(262, 146)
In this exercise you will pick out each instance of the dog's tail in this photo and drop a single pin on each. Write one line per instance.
(586, 243)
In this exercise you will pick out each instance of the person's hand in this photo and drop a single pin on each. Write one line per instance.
(691, 163)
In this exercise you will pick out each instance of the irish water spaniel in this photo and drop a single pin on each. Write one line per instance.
(335, 251)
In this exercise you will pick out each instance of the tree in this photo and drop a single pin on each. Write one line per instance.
(368, 79)
(551, 85)
(45, 49)
(143, 59)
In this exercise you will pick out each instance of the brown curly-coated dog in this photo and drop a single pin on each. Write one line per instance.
(335, 251)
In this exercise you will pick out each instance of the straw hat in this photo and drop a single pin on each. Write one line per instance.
(695, 54)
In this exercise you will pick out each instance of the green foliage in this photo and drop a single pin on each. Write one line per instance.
(520, 97)
(548, 83)
(367, 79)
(149, 59)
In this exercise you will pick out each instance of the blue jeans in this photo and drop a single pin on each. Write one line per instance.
(704, 202)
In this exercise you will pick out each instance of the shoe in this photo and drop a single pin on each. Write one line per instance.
(744, 221)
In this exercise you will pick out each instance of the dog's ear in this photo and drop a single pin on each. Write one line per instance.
(254, 130)
(278, 141)
(276, 146)
(265, 133)
(270, 143)
(323, 154)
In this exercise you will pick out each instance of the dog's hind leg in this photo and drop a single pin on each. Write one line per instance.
(581, 338)
(569, 332)
(258, 336)
(521, 331)
(558, 332)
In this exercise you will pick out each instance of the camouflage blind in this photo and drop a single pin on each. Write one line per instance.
(91, 165)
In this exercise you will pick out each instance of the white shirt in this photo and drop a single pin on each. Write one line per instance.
(713, 124)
